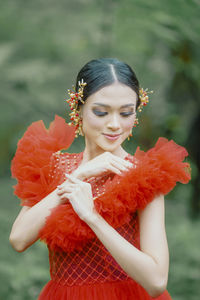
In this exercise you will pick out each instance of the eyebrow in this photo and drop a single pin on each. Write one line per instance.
(105, 105)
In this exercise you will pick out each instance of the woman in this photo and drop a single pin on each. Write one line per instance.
(101, 211)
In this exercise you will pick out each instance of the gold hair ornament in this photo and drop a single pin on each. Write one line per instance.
(75, 97)
(144, 100)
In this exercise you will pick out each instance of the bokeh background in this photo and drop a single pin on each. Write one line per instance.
(43, 44)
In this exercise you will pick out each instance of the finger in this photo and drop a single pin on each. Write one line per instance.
(64, 187)
(122, 161)
(61, 192)
(66, 184)
(115, 170)
(119, 166)
(72, 178)
(65, 197)
(65, 190)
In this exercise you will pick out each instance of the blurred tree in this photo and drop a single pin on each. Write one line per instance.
(164, 37)
(106, 27)
(43, 44)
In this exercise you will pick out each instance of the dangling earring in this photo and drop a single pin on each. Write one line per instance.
(130, 135)
(80, 127)
(136, 122)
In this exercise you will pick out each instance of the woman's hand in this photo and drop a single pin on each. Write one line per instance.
(102, 164)
(79, 194)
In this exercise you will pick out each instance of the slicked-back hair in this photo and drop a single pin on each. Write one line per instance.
(99, 73)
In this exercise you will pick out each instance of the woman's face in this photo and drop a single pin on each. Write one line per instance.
(108, 117)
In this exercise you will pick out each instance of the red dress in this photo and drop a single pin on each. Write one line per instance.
(80, 266)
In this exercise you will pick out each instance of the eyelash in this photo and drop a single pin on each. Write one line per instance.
(102, 114)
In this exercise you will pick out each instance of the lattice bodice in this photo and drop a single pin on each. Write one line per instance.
(93, 264)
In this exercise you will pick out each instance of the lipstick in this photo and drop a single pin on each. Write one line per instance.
(112, 136)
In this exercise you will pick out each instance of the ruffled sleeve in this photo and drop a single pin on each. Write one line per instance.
(157, 171)
(31, 163)
(162, 167)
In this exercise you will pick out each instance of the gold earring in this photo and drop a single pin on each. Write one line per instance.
(80, 127)
(136, 122)
(130, 135)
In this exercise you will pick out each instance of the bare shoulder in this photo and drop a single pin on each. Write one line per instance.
(155, 206)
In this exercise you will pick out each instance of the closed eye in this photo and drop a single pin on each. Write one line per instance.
(103, 113)
(99, 113)
(126, 114)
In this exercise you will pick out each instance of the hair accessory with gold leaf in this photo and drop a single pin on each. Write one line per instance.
(73, 101)
(144, 98)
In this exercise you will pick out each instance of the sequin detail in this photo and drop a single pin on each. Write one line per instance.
(92, 264)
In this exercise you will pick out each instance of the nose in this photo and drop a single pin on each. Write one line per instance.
(113, 123)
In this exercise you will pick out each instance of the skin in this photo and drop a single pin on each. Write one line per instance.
(148, 266)
(103, 113)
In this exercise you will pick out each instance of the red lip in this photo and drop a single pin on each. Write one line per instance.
(112, 136)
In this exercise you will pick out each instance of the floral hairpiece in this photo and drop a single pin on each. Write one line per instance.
(144, 98)
(75, 97)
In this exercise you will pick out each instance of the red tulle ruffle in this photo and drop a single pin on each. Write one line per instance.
(157, 172)
(31, 162)
(124, 290)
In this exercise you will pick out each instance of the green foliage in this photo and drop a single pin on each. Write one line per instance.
(22, 275)
(184, 246)
(43, 44)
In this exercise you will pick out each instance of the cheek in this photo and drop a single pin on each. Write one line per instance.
(91, 122)
(128, 124)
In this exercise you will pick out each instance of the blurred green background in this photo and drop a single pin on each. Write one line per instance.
(43, 44)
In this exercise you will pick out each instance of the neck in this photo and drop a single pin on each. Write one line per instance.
(91, 151)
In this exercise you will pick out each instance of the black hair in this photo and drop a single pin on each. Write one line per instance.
(102, 72)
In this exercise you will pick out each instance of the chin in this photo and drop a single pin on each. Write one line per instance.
(110, 147)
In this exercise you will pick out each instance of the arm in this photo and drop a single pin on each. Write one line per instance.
(149, 267)
(30, 220)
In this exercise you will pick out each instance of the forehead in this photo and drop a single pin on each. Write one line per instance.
(113, 95)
